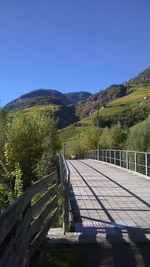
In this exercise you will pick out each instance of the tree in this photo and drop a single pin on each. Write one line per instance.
(28, 151)
(114, 137)
(139, 137)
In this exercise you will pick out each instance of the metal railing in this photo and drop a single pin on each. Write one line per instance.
(65, 182)
(133, 160)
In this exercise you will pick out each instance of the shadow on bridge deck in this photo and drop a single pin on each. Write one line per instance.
(111, 214)
(84, 250)
(112, 201)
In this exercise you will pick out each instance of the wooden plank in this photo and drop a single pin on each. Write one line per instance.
(42, 184)
(36, 208)
(23, 259)
(40, 237)
(19, 243)
(26, 260)
(10, 216)
(11, 220)
(36, 224)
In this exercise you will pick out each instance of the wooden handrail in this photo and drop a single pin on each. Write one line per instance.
(20, 231)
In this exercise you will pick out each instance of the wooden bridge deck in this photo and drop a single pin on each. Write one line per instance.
(106, 199)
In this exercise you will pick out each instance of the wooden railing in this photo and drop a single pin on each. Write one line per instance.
(24, 225)
(65, 181)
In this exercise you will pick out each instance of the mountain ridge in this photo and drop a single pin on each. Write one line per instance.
(75, 106)
(45, 97)
(114, 91)
(142, 78)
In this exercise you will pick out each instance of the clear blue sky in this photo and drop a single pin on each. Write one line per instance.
(71, 45)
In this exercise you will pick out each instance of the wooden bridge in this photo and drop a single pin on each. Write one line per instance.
(105, 208)
(104, 198)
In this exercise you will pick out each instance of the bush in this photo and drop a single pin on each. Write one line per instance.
(113, 138)
(139, 137)
(126, 118)
(27, 151)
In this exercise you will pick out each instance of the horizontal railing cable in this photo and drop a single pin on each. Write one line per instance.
(133, 160)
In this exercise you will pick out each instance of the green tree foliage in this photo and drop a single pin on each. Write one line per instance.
(3, 125)
(139, 137)
(4, 195)
(28, 149)
(89, 141)
(18, 180)
(114, 137)
(126, 118)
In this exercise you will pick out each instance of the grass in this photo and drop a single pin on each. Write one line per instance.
(77, 132)
(34, 109)
(136, 97)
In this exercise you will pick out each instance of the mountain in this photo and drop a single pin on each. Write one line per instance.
(115, 91)
(142, 78)
(127, 105)
(71, 107)
(45, 97)
(101, 99)
(76, 97)
(126, 111)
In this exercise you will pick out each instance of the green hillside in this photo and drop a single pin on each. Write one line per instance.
(63, 115)
(86, 120)
(132, 105)
(49, 101)
(45, 97)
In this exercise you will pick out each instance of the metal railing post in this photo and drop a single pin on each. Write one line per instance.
(115, 157)
(135, 161)
(127, 165)
(98, 153)
(146, 164)
(120, 158)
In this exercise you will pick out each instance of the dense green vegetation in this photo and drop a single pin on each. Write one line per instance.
(64, 115)
(126, 118)
(139, 136)
(115, 137)
(27, 151)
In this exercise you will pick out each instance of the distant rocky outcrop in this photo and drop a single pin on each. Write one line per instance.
(142, 78)
(100, 100)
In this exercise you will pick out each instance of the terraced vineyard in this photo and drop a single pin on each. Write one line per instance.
(80, 131)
